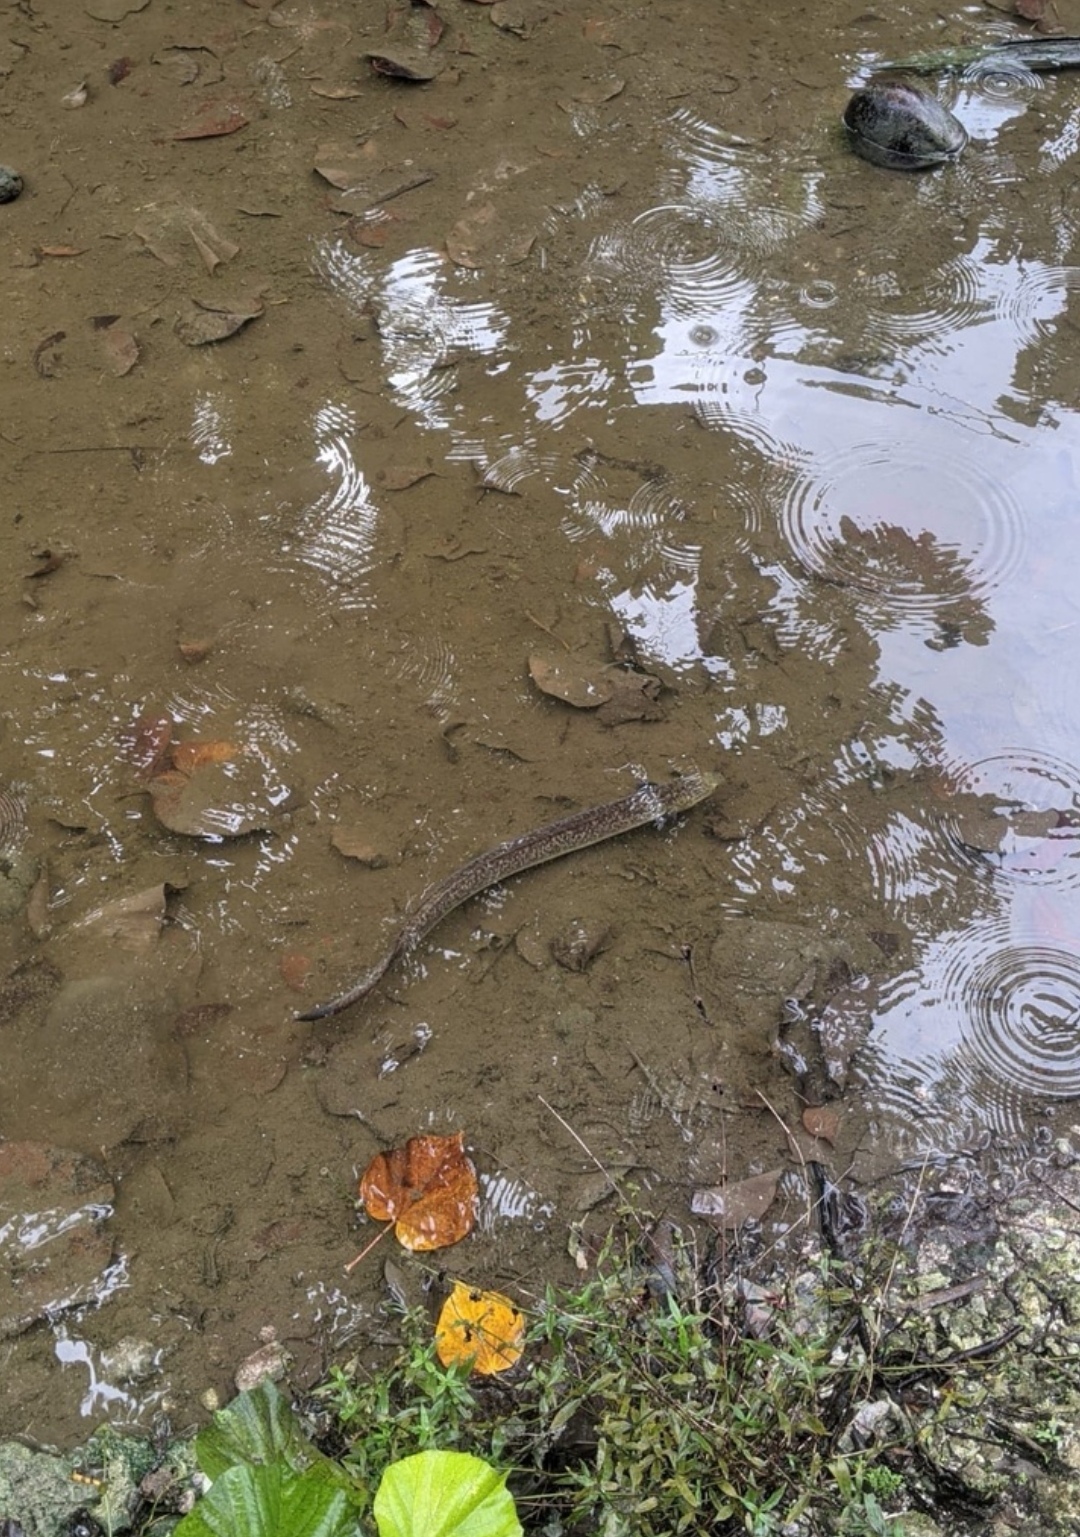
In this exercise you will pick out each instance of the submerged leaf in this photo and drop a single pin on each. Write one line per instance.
(202, 322)
(210, 790)
(731, 1205)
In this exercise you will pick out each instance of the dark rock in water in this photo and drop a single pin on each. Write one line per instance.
(902, 127)
(11, 184)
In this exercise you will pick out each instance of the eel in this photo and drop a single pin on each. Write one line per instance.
(1041, 55)
(594, 824)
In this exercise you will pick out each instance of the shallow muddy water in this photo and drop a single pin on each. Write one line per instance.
(599, 362)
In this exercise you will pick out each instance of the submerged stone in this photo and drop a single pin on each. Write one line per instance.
(902, 127)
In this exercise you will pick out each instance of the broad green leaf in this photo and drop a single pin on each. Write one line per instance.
(444, 1494)
(260, 1429)
(270, 1501)
(257, 1427)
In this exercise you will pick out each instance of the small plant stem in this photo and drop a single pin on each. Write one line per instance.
(366, 1250)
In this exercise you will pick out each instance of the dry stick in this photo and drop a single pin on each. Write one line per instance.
(540, 625)
(366, 1250)
(789, 1134)
(896, 1251)
(565, 1124)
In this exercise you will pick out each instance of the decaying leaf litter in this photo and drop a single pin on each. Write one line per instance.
(162, 470)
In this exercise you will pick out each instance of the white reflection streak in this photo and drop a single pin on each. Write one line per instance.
(208, 431)
(338, 530)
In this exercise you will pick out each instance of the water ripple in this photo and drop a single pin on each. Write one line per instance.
(1021, 1010)
(988, 1023)
(336, 534)
(1030, 830)
(915, 535)
(760, 203)
(678, 251)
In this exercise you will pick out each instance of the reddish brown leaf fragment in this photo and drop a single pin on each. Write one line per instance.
(214, 122)
(61, 250)
(118, 70)
(120, 348)
(295, 970)
(336, 92)
(194, 650)
(601, 31)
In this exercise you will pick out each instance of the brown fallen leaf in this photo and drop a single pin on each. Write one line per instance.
(213, 253)
(584, 685)
(352, 844)
(731, 1205)
(120, 348)
(61, 250)
(347, 165)
(210, 790)
(596, 95)
(403, 63)
(202, 322)
(133, 922)
(215, 121)
(473, 239)
(413, 119)
(194, 650)
(336, 92)
(821, 1121)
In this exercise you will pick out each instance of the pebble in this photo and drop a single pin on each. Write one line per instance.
(11, 184)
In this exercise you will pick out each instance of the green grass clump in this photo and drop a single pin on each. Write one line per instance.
(639, 1412)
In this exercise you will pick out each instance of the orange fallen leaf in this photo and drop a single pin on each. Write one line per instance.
(210, 790)
(189, 756)
(427, 1189)
(61, 250)
(482, 1328)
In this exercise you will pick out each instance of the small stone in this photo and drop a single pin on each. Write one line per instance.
(11, 184)
(130, 1360)
(271, 1360)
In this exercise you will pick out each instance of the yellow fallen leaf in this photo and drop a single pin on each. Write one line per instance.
(482, 1328)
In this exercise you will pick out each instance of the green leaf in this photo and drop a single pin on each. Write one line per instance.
(444, 1494)
(257, 1427)
(270, 1501)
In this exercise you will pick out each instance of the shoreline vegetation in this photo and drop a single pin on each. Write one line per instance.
(910, 1366)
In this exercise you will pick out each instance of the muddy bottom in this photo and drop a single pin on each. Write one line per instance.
(422, 425)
